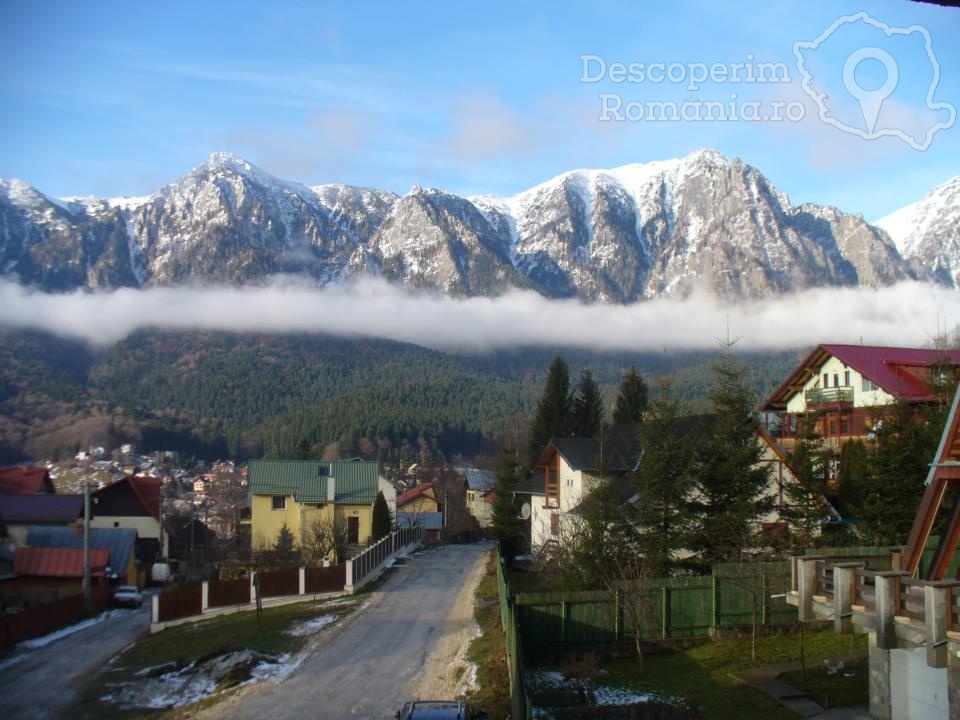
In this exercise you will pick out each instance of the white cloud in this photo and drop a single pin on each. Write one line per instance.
(484, 127)
(904, 314)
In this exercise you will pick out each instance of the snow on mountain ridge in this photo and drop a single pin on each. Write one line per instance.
(619, 234)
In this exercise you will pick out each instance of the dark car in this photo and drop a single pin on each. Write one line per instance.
(439, 710)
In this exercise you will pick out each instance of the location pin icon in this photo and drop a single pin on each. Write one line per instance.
(871, 100)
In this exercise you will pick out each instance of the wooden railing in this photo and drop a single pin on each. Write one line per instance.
(865, 589)
(883, 601)
(953, 618)
(910, 602)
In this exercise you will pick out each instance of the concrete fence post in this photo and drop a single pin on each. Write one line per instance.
(936, 610)
(253, 586)
(303, 581)
(806, 584)
(155, 608)
(349, 585)
(204, 596)
(844, 577)
(887, 588)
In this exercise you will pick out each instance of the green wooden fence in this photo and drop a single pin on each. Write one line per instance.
(680, 607)
(520, 701)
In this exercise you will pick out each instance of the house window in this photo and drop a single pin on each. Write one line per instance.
(278, 502)
(555, 524)
(846, 377)
(826, 380)
(869, 385)
(836, 379)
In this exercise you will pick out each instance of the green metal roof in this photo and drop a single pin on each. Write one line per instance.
(355, 481)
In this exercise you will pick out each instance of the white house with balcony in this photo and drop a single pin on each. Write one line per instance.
(847, 386)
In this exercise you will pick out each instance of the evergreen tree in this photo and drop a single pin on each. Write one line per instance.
(729, 478)
(663, 483)
(598, 539)
(586, 412)
(906, 442)
(381, 517)
(631, 398)
(507, 527)
(854, 470)
(283, 546)
(303, 450)
(805, 508)
(552, 418)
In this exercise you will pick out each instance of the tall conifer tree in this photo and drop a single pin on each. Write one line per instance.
(553, 410)
(586, 407)
(729, 478)
(632, 398)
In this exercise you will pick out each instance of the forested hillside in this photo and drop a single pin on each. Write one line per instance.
(241, 395)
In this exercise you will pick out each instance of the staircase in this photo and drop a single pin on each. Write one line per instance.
(944, 476)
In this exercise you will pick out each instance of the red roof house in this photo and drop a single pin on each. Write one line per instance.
(847, 387)
(133, 502)
(903, 373)
(47, 562)
(25, 481)
(424, 491)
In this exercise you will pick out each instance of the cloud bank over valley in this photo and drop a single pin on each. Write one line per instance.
(904, 314)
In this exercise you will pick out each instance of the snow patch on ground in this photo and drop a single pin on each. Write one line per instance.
(40, 642)
(620, 696)
(590, 691)
(309, 627)
(11, 661)
(180, 686)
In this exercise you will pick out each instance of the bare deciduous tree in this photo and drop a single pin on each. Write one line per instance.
(324, 539)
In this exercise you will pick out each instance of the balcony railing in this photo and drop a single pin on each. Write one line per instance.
(824, 396)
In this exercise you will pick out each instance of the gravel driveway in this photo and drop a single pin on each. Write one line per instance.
(404, 642)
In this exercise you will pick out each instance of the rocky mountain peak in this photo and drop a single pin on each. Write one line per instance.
(622, 234)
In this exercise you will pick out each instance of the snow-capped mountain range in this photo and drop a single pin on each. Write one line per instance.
(620, 235)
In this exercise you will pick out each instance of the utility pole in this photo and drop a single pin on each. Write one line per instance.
(87, 592)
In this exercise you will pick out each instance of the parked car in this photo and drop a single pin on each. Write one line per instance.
(127, 596)
(439, 710)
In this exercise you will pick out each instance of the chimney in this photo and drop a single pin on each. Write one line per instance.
(331, 493)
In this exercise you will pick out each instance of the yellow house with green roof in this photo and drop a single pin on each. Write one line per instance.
(295, 493)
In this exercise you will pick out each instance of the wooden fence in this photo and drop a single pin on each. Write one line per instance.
(326, 579)
(43, 619)
(229, 592)
(177, 604)
(277, 583)
(521, 707)
(682, 607)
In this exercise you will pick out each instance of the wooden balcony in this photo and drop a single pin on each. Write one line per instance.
(841, 395)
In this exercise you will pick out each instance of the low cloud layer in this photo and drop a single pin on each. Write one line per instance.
(905, 314)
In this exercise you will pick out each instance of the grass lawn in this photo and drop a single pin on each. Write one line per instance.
(702, 675)
(186, 643)
(488, 651)
(835, 686)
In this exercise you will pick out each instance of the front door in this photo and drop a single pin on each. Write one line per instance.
(353, 530)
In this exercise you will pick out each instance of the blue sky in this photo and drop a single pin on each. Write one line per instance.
(120, 98)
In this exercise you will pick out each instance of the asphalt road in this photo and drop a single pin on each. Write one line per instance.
(40, 684)
(377, 658)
